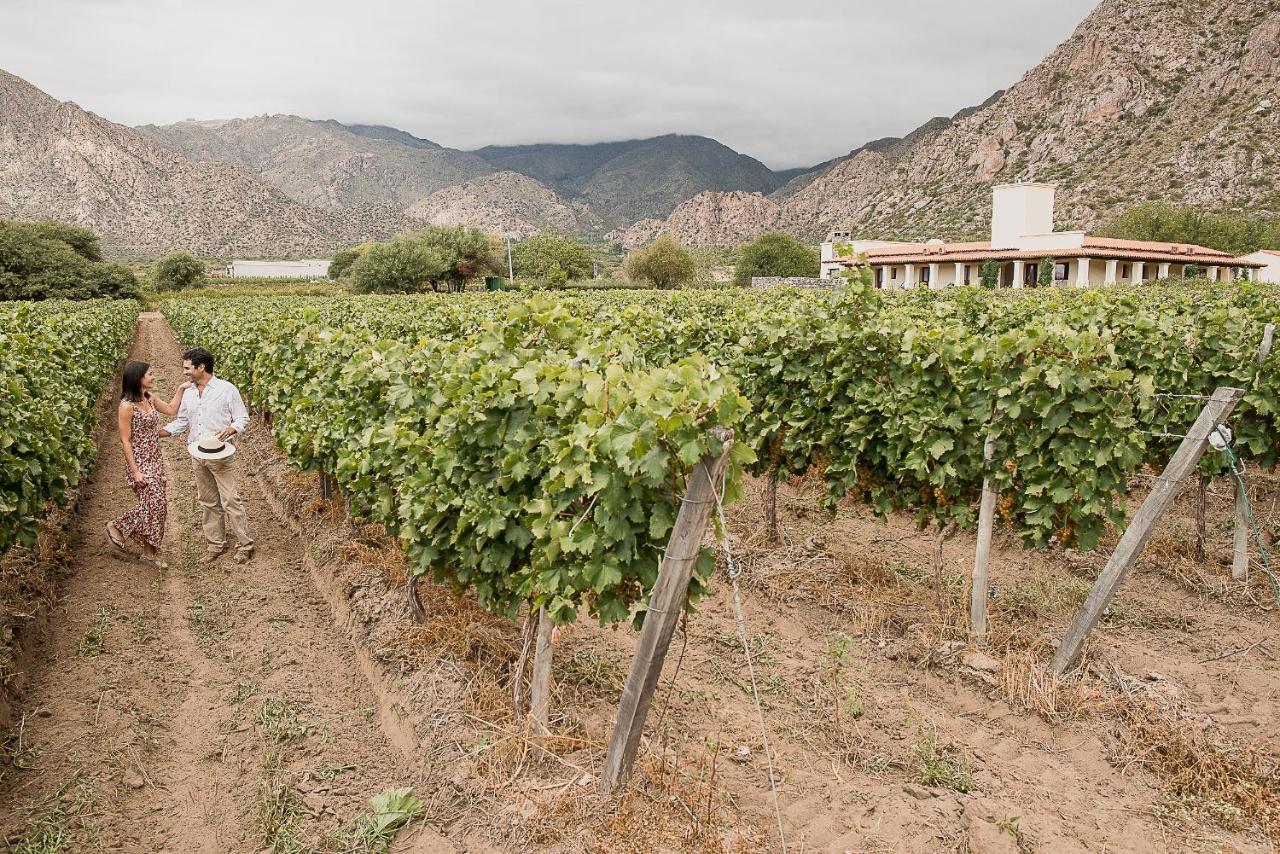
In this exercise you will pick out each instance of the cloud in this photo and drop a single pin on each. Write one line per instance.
(791, 83)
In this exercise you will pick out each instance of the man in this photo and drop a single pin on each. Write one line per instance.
(213, 411)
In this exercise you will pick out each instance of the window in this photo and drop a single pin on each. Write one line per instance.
(1060, 271)
(1029, 273)
(966, 273)
(1124, 271)
(924, 275)
(894, 273)
(879, 276)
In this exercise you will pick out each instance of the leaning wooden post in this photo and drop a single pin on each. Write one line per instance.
(666, 603)
(540, 690)
(1240, 545)
(1184, 459)
(982, 554)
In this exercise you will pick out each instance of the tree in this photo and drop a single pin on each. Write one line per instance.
(775, 254)
(989, 275)
(468, 253)
(1192, 271)
(405, 264)
(176, 271)
(534, 256)
(49, 260)
(663, 263)
(342, 261)
(1044, 273)
(556, 276)
(1234, 232)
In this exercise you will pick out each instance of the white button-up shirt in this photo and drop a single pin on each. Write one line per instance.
(218, 408)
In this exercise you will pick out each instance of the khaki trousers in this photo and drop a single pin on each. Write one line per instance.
(219, 497)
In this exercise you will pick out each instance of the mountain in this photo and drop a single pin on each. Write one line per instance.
(58, 161)
(641, 178)
(1148, 99)
(326, 163)
(504, 202)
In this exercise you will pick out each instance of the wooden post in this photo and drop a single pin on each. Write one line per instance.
(1143, 524)
(982, 554)
(666, 603)
(540, 690)
(1240, 545)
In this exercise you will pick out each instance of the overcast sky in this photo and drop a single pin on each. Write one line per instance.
(791, 82)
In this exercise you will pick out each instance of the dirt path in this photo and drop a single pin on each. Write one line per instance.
(199, 709)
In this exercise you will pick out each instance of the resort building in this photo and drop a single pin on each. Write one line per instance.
(1270, 258)
(1022, 236)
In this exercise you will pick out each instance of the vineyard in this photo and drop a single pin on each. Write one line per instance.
(54, 359)
(534, 456)
(889, 401)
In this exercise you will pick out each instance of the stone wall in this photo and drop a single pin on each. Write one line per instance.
(766, 283)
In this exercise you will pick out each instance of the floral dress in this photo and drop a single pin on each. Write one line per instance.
(146, 520)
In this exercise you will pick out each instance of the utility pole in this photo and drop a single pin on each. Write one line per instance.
(511, 275)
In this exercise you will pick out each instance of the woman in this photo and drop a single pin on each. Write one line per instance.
(138, 417)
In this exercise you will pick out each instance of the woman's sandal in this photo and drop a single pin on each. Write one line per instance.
(117, 543)
(155, 563)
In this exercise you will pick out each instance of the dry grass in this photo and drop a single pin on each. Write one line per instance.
(666, 806)
(1208, 773)
(1027, 682)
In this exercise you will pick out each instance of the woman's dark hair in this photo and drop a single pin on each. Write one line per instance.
(131, 381)
(198, 356)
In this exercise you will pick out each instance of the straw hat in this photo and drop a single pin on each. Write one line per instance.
(210, 447)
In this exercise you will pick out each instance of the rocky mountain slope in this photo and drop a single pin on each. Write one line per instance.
(502, 203)
(325, 163)
(1148, 99)
(58, 161)
(642, 178)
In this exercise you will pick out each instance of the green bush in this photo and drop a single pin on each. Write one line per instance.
(534, 257)
(663, 263)
(775, 255)
(342, 262)
(177, 271)
(54, 260)
(403, 265)
(989, 275)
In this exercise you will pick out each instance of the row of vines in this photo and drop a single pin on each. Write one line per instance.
(54, 358)
(890, 398)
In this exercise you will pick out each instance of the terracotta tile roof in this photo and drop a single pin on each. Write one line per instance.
(1102, 248)
(1189, 249)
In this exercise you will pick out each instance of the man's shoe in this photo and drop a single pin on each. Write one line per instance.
(243, 555)
(211, 554)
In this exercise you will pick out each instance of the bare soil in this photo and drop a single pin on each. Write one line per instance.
(258, 707)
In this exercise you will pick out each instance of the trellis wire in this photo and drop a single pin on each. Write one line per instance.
(734, 572)
(1237, 471)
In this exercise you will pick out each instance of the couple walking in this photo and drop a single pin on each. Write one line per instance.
(210, 411)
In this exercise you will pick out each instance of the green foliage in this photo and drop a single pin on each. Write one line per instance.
(512, 450)
(1192, 271)
(1233, 232)
(54, 358)
(403, 265)
(52, 260)
(1044, 273)
(536, 255)
(389, 811)
(342, 261)
(556, 276)
(176, 271)
(468, 254)
(663, 263)
(989, 275)
(775, 255)
(884, 397)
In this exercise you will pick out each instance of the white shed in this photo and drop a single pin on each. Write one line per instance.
(310, 267)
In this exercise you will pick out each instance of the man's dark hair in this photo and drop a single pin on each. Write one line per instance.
(198, 356)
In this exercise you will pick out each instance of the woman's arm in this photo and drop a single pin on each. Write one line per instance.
(124, 418)
(170, 408)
